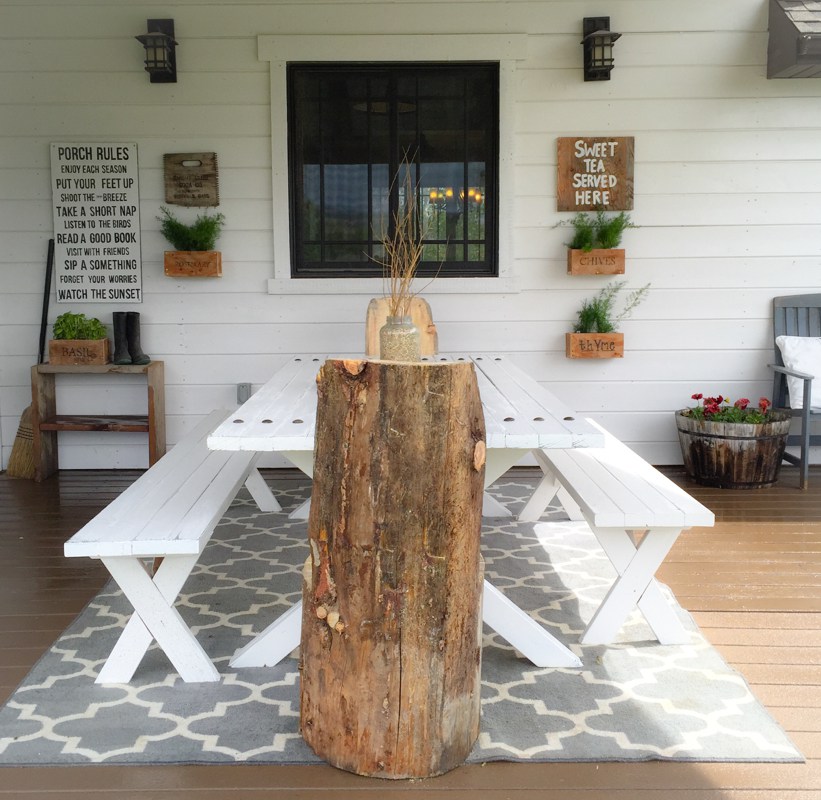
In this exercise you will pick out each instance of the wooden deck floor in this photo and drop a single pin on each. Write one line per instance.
(753, 584)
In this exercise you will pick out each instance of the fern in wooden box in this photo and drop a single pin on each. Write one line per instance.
(594, 249)
(594, 334)
(194, 255)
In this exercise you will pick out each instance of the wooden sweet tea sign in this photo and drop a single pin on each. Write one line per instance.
(595, 173)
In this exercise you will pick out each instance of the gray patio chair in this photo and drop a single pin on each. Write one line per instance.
(797, 315)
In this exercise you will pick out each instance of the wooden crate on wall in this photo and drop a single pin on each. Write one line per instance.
(193, 263)
(594, 345)
(595, 262)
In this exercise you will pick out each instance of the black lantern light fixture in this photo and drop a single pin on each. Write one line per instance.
(598, 48)
(160, 52)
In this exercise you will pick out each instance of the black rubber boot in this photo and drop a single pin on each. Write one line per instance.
(132, 329)
(121, 354)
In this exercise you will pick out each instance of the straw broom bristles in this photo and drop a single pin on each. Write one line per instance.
(21, 461)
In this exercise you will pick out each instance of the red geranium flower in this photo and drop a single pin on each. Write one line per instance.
(722, 409)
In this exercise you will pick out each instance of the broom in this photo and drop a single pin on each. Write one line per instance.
(21, 461)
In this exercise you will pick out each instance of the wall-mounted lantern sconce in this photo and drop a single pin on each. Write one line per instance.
(160, 52)
(598, 48)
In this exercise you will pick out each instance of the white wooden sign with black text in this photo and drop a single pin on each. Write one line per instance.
(96, 207)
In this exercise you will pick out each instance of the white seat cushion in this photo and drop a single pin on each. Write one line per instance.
(803, 354)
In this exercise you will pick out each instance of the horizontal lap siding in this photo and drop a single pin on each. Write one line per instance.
(726, 192)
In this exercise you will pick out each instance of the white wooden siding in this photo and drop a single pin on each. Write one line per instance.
(727, 191)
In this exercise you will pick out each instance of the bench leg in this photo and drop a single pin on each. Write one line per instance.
(548, 488)
(523, 632)
(302, 511)
(498, 461)
(635, 586)
(261, 492)
(540, 499)
(279, 639)
(155, 618)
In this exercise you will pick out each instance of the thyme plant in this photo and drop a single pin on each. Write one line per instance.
(598, 315)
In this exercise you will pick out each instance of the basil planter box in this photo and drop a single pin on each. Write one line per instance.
(79, 352)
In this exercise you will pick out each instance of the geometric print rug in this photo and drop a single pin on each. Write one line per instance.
(631, 700)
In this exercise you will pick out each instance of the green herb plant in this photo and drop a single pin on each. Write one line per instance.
(78, 326)
(599, 232)
(599, 316)
(202, 234)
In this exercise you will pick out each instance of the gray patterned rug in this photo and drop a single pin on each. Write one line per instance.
(634, 700)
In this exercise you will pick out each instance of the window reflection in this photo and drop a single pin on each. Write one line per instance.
(350, 128)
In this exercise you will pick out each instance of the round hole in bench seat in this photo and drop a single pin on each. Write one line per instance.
(267, 421)
(538, 419)
(298, 421)
(238, 421)
(510, 419)
(569, 419)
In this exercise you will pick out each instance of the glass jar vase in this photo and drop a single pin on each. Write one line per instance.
(399, 340)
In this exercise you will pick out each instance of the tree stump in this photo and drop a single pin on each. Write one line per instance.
(391, 627)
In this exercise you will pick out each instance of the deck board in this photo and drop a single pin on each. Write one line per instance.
(753, 584)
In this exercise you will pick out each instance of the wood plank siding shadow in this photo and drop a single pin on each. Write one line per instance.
(753, 584)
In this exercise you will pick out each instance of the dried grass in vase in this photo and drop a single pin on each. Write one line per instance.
(403, 250)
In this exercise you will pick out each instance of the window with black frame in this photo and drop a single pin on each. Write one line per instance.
(351, 126)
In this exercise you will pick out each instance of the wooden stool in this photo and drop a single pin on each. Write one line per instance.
(391, 647)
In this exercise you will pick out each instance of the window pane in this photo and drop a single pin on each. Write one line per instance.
(350, 127)
(344, 252)
(311, 202)
(346, 201)
(380, 201)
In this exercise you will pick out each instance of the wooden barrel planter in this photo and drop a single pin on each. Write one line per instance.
(733, 455)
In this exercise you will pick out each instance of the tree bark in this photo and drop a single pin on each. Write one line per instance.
(391, 647)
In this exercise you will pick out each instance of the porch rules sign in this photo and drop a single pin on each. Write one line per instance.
(96, 207)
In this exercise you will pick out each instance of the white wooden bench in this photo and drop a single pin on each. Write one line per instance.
(169, 512)
(620, 495)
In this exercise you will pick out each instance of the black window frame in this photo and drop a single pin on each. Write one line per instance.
(488, 267)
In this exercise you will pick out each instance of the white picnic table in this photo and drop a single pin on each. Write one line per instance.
(520, 416)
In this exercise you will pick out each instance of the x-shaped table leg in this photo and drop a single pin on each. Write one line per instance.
(155, 618)
(500, 613)
(548, 488)
(635, 586)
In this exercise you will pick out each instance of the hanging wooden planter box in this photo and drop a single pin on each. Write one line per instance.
(595, 262)
(594, 345)
(79, 352)
(193, 263)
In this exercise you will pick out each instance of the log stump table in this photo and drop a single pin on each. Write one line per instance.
(391, 631)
